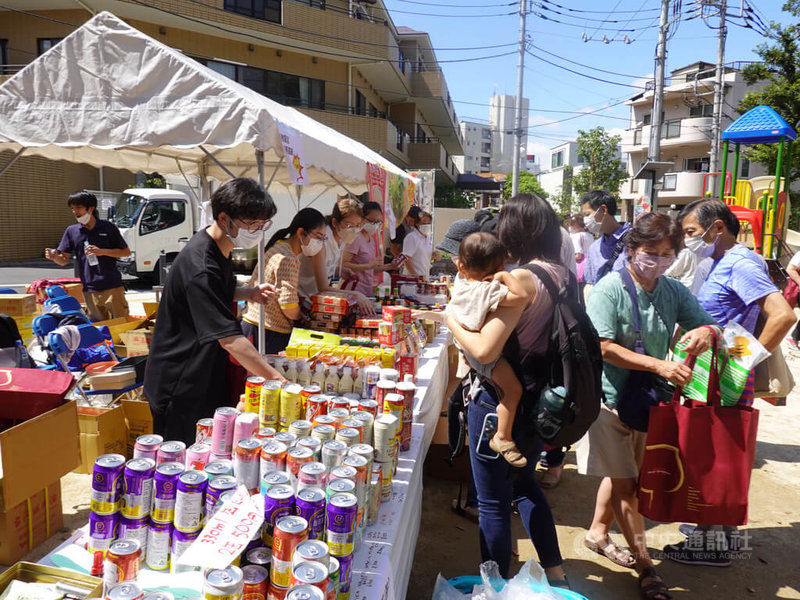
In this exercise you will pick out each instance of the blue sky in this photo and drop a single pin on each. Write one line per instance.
(548, 87)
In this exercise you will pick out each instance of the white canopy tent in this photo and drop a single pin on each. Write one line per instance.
(108, 95)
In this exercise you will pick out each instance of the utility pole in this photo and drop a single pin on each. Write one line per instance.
(518, 112)
(656, 117)
(718, 89)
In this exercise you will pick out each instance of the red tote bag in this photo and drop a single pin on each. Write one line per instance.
(698, 459)
(27, 393)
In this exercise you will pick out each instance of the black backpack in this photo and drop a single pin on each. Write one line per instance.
(573, 361)
(12, 353)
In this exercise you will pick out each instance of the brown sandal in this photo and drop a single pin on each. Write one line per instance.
(656, 589)
(509, 451)
(619, 556)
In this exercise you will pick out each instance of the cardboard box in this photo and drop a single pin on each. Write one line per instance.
(119, 326)
(18, 305)
(139, 420)
(75, 290)
(137, 341)
(34, 573)
(30, 522)
(38, 451)
(102, 431)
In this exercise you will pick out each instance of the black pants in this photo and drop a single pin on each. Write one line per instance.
(274, 342)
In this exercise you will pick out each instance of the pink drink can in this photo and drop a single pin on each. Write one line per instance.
(222, 434)
(246, 426)
(172, 451)
(198, 456)
(147, 446)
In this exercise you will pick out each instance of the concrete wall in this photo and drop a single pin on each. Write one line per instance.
(444, 217)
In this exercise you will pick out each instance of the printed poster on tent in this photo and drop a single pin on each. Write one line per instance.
(398, 201)
(376, 184)
(425, 189)
(293, 154)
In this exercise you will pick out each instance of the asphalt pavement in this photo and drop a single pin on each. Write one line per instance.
(18, 274)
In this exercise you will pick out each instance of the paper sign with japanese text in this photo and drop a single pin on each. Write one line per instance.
(293, 154)
(227, 533)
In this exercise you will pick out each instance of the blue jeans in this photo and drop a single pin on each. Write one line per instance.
(498, 485)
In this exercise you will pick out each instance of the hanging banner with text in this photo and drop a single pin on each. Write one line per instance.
(425, 189)
(227, 533)
(293, 154)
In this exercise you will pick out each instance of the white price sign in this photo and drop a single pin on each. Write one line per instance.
(227, 533)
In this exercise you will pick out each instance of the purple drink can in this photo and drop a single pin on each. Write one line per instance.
(217, 485)
(345, 576)
(181, 542)
(159, 541)
(147, 446)
(102, 531)
(274, 478)
(310, 504)
(135, 529)
(107, 483)
(222, 434)
(341, 516)
(166, 489)
(190, 501)
(172, 451)
(219, 467)
(279, 502)
(138, 495)
(311, 474)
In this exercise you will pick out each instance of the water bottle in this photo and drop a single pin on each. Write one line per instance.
(93, 261)
(23, 354)
(551, 402)
(554, 398)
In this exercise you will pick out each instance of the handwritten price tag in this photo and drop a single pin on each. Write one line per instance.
(227, 533)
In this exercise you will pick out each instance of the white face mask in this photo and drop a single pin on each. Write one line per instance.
(84, 219)
(246, 239)
(425, 229)
(348, 234)
(700, 247)
(592, 226)
(313, 246)
(372, 228)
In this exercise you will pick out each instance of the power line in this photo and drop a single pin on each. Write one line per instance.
(459, 6)
(591, 19)
(451, 16)
(583, 65)
(618, 30)
(573, 71)
(604, 12)
(51, 19)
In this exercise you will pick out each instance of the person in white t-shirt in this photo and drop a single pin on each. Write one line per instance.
(418, 244)
(581, 240)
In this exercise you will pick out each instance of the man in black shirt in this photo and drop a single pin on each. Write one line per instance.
(196, 328)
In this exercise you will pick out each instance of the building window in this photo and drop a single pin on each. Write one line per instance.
(291, 90)
(744, 169)
(557, 159)
(401, 61)
(702, 110)
(669, 182)
(646, 119)
(361, 104)
(697, 165)
(44, 44)
(266, 10)
(580, 159)
(486, 134)
(486, 148)
(3, 56)
(484, 163)
(671, 129)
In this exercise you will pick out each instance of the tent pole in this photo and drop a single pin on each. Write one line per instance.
(260, 267)
(272, 177)
(12, 161)
(219, 164)
(342, 186)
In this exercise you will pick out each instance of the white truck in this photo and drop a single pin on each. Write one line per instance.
(156, 224)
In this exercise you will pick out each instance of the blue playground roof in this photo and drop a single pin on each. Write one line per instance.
(759, 125)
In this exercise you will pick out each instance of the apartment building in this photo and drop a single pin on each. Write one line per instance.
(685, 132)
(477, 142)
(555, 175)
(342, 62)
(502, 117)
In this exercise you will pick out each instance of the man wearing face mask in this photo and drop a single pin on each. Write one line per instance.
(606, 254)
(196, 329)
(736, 287)
(96, 245)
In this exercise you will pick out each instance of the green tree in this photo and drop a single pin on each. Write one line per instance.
(602, 166)
(528, 184)
(779, 75)
(563, 203)
(449, 196)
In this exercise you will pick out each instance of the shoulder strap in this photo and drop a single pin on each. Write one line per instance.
(637, 319)
(547, 281)
(609, 264)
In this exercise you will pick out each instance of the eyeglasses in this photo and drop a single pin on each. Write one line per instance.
(351, 227)
(321, 238)
(254, 226)
(378, 222)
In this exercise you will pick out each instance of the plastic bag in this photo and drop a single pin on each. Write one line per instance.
(529, 584)
(743, 346)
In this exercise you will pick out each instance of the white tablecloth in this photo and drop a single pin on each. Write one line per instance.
(382, 565)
